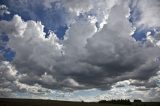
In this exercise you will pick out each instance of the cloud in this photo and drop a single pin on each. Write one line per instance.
(142, 12)
(31, 33)
(3, 10)
(99, 9)
(54, 18)
(77, 6)
(87, 58)
(149, 9)
(126, 90)
(7, 77)
(71, 83)
(48, 3)
(144, 17)
(10, 83)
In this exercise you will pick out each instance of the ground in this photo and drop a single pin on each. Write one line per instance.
(33, 102)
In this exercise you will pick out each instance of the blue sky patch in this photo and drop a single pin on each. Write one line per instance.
(4, 38)
(140, 32)
(135, 13)
(9, 54)
(54, 19)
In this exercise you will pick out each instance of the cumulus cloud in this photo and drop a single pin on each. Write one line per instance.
(31, 33)
(126, 90)
(100, 9)
(149, 13)
(10, 83)
(77, 6)
(7, 76)
(3, 10)
(87, 58)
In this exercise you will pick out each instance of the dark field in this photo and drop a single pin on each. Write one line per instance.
(33, 102)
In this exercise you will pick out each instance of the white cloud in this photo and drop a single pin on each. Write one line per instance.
(10, 83)
(77, 7)
(35, 89)
(15, 27)
(153, 40)
(7, 71)
(126, 90)
(100, 9)
(71, 83)
(47, 79)
(3, 10)
(149, 13)
(32, 44)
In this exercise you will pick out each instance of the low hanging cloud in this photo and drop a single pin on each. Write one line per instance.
(87, 58)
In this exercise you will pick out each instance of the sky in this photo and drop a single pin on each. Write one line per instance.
(78, 50)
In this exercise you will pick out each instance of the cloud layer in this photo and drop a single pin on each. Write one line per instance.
(105, 57)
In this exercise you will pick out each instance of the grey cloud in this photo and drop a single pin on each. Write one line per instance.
(110, 57)
(86, 59)
(147, 10)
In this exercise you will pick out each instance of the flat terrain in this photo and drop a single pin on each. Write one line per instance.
(36, 102)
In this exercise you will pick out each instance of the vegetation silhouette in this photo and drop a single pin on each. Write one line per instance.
(137, 101)
(40, 102)
(120, 101)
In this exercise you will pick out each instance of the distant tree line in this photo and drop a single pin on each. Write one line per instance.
(137, 101)
(120, 101)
